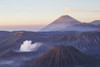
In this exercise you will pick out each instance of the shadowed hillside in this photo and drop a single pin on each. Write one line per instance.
(62, 56)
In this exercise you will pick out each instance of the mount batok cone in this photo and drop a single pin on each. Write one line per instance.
(65, 56)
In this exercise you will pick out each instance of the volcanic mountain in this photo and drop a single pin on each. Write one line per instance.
(86, 27)
(87, 42)
(61, 23)
(96, 22)
(65, 56)
(67, 23)
(14, 40)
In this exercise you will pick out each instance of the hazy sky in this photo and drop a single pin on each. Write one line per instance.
(42, 12)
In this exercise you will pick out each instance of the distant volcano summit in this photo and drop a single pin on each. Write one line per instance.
(68, 20)
(67, 23)
(65, 56)
(61, 23)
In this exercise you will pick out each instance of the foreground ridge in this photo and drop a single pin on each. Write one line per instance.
(65, 56)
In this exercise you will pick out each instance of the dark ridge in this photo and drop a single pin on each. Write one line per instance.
(4, 34)
(96, 22)
(65, 56)
(86, 25)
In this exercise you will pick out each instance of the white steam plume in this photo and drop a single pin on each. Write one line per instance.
(27, 46)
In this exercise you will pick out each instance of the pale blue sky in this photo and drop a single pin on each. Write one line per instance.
(43, 12)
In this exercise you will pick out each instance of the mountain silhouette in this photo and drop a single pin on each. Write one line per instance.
(61, 23)
(67, 23)
(96, 22)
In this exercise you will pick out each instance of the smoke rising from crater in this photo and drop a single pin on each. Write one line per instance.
(27, 46)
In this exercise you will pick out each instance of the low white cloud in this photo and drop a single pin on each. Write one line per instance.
(27, 46)
(68, 9)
